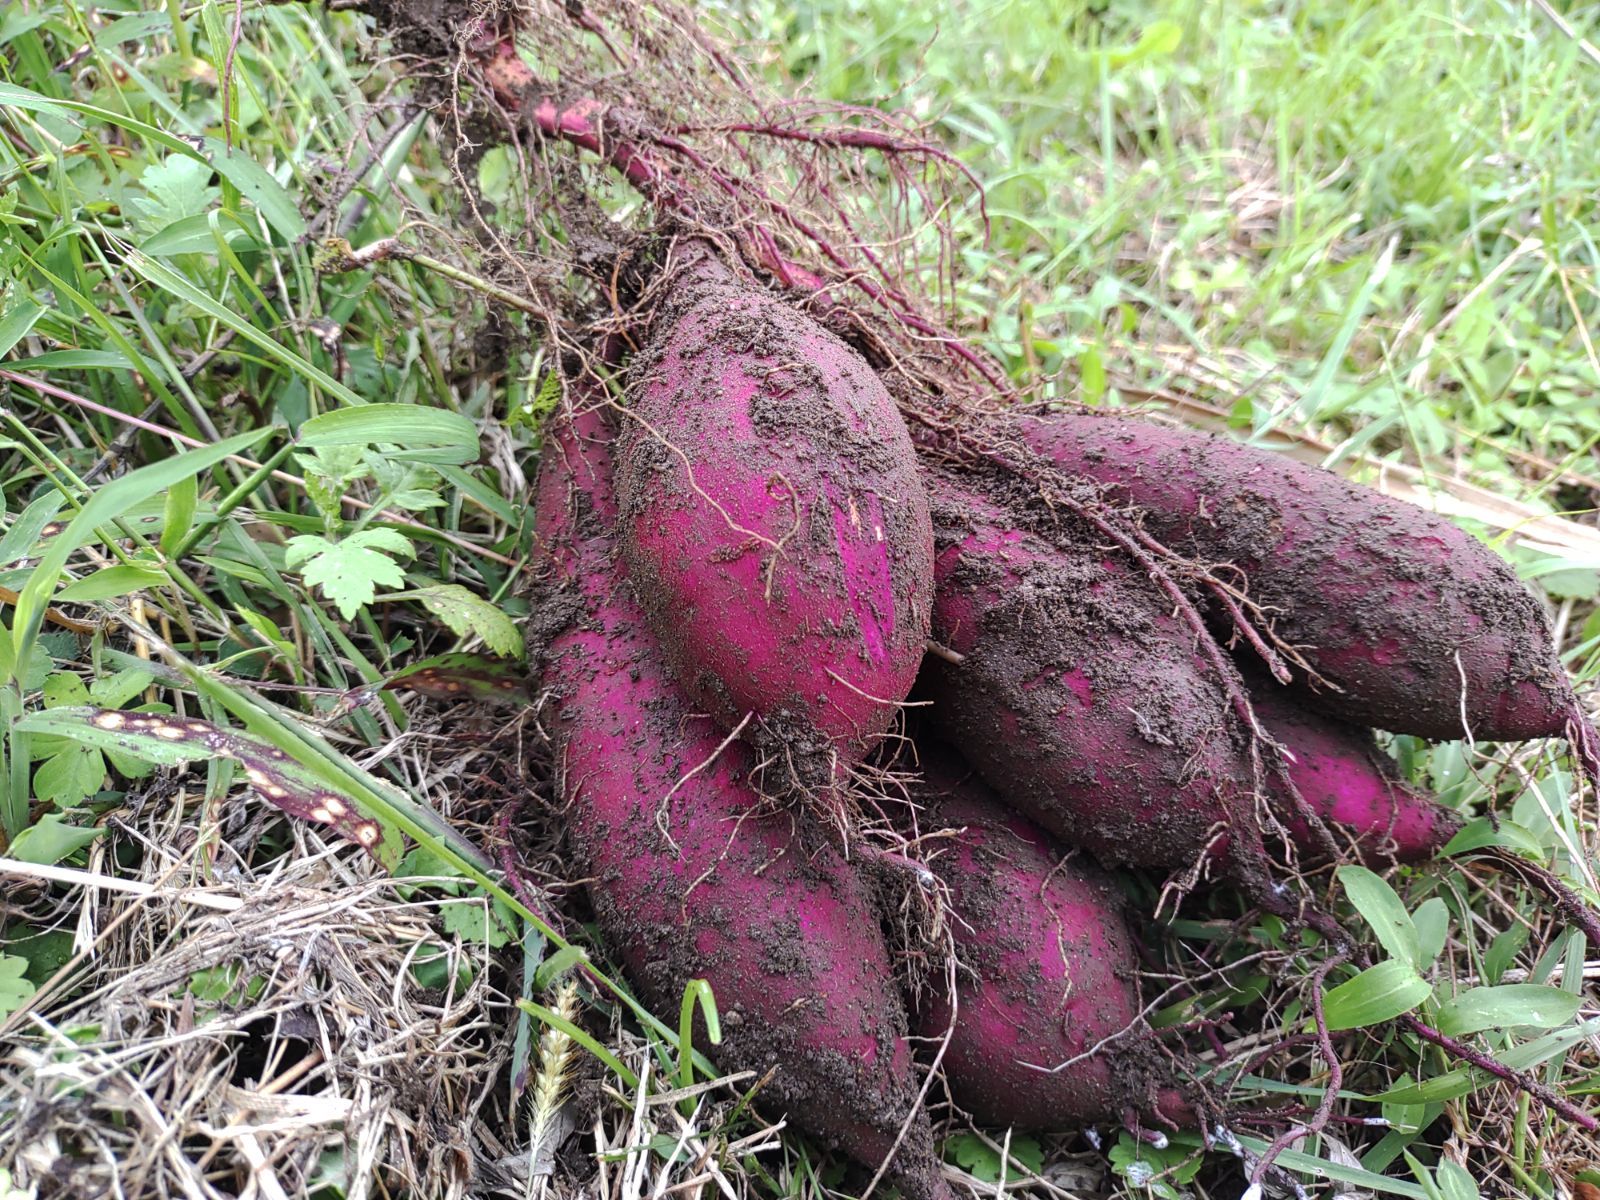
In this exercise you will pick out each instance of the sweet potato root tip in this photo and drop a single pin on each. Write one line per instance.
(1350, 784)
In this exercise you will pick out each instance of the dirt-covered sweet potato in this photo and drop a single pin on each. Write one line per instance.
(1046, 1029)
(774, 524)
(1079, 697)
(690, 879)
(1425, 629)
(1349, 782)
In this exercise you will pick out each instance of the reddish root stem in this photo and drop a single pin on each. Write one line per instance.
(1574, 911)
(1318, 1119)
(582, 124)
(1520, 1080)
(506, 853)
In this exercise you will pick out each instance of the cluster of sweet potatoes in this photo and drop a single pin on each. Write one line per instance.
(750, 567)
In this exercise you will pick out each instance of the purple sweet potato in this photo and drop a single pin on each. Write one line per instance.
(775, 524)
(690, 879)
(1350, 783)
(1049, 974)
(1080, 698)
(1414, 620)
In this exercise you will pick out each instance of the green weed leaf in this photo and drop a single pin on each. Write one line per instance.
(432, 435)
(51, 839)
(1378, 994)
(1481, 832)
(1508, 1006)
(1384, 912)
(15, 989)
(467, 613)
(462, 676)
(1432, 923)
(1159, 39)
(70, 777)
(17, 321)
(1456, 1182)
(478, 919)
(349, 571)
(108, 502)
(250, 177)
(175, 188)
(168, 741)
(111, 582)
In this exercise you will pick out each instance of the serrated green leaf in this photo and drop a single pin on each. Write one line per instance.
(1507, 1006)
(349, 571)
(1380, 993)
(70, 777)
(973, 1155)
(175, 188)
(1384, 912)
(467, 613)
(34, 670)
(64, 688)
(421, 862)
(474, 920)
(391, 541)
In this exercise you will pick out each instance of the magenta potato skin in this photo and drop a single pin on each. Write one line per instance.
(1381, 595)
(1079, 698)
(1050, 972)
(689, 878)
(775, 525)
(1350, 783)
